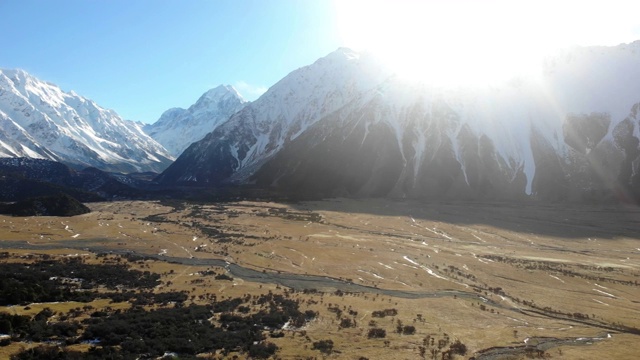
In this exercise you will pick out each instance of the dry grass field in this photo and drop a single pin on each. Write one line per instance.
(488, 275)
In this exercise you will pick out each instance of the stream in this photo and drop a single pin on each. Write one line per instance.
(294, 281)
(532, 346)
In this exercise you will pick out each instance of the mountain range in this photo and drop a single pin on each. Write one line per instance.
(345, 125)
(39, 120)
(253, 135)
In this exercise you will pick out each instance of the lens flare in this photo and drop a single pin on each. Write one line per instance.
(475, 42)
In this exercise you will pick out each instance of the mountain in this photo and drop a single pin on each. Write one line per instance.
(346, 126)
(39, 120)
(54, 205)
(235, 149)
(24, 178)
(178, 128)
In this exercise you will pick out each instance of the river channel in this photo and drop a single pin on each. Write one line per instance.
(302, 282)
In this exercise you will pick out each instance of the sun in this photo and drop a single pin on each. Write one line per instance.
(464, 42)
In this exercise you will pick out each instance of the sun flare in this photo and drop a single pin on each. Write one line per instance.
(470, 42)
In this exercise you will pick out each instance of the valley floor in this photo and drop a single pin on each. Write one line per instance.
(525, 279)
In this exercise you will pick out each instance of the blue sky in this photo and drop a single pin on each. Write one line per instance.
(142, 57)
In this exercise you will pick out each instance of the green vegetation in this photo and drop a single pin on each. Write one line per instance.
(184, 330)
(324, 346)
(230, 325)
(23, 283)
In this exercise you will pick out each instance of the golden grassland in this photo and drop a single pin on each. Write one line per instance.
(537, 270)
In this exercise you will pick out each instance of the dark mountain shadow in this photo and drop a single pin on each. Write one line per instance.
(568, 221)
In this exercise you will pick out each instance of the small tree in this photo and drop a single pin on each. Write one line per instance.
(346, 323)
(458, 348)
(5, 327)
(408, 330)
(376, 333)
(324, 346)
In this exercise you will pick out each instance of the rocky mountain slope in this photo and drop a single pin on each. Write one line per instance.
(346, 126)
(237, 148)
(178, 128)
(54, 205)
(24, 178)
(39, 120)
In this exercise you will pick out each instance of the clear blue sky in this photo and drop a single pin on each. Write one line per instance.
(141, 57)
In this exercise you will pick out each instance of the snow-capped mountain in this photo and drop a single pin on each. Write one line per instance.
(39, 120)
(178, 128)
(235, 149)
(346, 126)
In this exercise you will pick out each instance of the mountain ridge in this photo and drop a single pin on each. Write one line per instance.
(40, 120)
(532, 138)
(287, 109)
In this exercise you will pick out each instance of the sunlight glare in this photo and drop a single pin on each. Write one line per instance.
(472, 42)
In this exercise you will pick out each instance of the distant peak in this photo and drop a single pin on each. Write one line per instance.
(345, 50)
(17, 74)
(219, 89)
(221, 92)
(13, 71)
(344, 53)
(235, 92)
(20, 76)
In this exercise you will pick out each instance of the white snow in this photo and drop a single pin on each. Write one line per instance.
(580, 81)
(297, 102)
(335, 88)
(605, 293)
(429, 271)
(178, 128)
(39, 120)
(557, 278)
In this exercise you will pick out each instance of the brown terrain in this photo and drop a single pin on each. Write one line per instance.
(508, 281)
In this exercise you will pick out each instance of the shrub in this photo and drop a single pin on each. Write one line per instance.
(408, 330)
(262, 350)
(376, 333)
(324, 346)
(385, 312)
(346, 323)
(458, 348)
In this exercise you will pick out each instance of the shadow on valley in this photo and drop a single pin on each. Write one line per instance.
(28, 179)
(571, 221)
(564, 220)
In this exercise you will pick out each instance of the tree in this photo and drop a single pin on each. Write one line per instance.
(408, 330)
(376, 333)
(324, 346)
(5, 327)
(458, 348)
